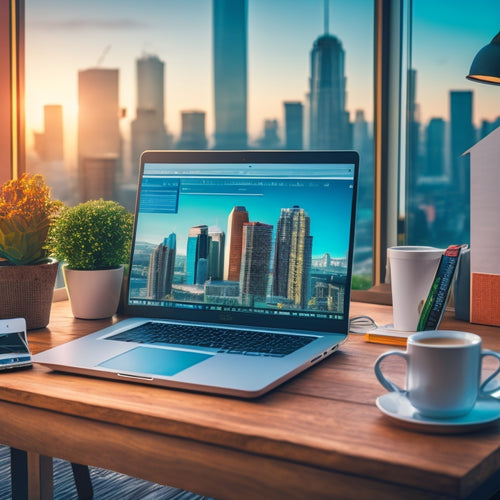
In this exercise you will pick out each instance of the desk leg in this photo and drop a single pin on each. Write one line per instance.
(83, 482)
(31, 476)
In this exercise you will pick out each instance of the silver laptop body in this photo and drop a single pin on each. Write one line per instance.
(239, 275)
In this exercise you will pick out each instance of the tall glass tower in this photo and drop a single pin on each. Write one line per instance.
(197, 255)
(99, 140)
(148, 129)
(462, 137)
(216, 253)
(230, 73)
(328, 120)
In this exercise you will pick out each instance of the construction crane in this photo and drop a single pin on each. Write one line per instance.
(103, 55)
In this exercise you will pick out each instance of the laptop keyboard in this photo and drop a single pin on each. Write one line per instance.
(246, 342)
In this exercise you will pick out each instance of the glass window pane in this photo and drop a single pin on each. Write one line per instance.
(106, 80)
(446, 115)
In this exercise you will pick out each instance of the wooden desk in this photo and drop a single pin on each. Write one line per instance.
(318, 436)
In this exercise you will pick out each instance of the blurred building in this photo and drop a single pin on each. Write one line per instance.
(270, 138)
(99, 142)
(329, 126)
(148, 130)
(230, 73)
(294, 125)
(49, 143)
(193, 134)
(462, 137)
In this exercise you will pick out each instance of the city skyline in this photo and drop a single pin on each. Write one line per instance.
(279, 55)
(270, 271)
(282, 49)
(265, 207)
(101, 22)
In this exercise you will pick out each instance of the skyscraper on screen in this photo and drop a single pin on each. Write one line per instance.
(292, 256)
(161, 268)
(232, 257)
(197, 255)
(255, 262)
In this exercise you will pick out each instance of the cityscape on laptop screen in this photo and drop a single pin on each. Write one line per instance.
(260, 243)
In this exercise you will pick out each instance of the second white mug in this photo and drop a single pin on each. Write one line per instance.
(443, 372)
(412, 272)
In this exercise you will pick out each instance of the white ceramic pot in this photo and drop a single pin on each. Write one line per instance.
(93, 294)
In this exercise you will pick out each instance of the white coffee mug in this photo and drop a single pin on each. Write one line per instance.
(412, 270)
(443, 372)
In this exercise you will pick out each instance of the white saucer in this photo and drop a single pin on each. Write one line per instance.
(397, 407)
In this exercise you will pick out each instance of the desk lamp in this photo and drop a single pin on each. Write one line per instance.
(485, 67)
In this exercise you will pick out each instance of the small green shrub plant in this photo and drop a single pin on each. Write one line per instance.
(94, 235)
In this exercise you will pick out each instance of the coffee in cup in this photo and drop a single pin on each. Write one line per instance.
(443, 373)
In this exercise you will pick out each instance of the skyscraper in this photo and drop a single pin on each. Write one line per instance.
(413, 137)
(216, 253)
(148, 129)
(230, 73)
(292, 256)
(99, 142)
(197, 255)
(49, 144)
(329, 126)
(294, 125)
(161, 268)
(193, 134)
(232, 257)
(98, 112)
(255, 262)
(435, 142)
(270, 139)
(462, 137)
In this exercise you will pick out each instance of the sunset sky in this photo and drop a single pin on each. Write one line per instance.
(63, 37)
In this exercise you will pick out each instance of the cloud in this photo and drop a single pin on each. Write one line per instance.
(86, 24)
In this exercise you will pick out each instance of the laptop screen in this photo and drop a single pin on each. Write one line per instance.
(261, 238)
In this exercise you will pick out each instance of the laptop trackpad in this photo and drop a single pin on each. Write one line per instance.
(154, 361)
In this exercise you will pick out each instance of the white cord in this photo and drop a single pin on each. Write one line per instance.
(361, 324)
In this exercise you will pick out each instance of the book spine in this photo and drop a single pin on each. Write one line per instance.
(436, 301)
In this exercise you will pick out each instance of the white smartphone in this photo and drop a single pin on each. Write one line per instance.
(14, 349)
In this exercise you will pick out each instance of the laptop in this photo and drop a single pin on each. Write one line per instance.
(240, 272)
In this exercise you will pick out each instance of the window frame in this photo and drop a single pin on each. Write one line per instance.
(12, 141)
(388, 48)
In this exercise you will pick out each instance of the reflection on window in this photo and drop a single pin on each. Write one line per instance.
(108, 80)
(446, 115)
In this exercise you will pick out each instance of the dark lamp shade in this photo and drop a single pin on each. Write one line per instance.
(486, 65)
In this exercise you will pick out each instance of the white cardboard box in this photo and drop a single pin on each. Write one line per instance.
(485, 229)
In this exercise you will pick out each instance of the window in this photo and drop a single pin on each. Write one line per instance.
(445, 115)
(107, 80)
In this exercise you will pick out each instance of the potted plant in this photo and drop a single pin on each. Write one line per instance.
(27, 274)
(93, 239)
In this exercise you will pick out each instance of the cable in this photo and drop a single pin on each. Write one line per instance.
(361, 324)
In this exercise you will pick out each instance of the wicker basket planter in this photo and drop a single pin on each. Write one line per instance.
(27, 292)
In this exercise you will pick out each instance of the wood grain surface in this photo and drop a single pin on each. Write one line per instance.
(319, 435)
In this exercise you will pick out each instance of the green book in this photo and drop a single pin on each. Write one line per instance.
(436, 301)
